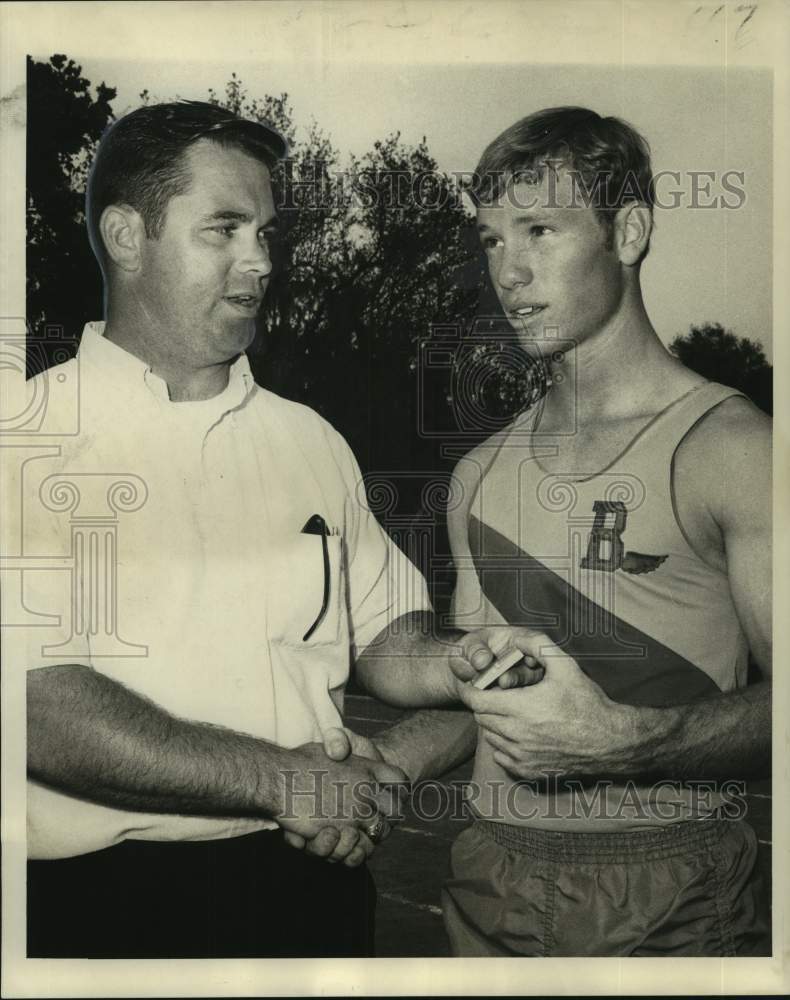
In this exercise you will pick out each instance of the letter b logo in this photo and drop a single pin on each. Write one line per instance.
(605, 548)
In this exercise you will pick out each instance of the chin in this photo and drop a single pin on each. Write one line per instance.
(239, 336)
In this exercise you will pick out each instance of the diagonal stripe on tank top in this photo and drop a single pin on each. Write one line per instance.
(631, 666)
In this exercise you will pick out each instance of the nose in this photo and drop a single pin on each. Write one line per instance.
(255, 258)
(512, 270)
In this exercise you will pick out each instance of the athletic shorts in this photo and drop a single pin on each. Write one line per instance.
(689, 889)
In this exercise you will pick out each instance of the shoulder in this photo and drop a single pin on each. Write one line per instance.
(297, 418)
(468, 476)
(472, 467)
(724, 461)
(52, 399)
(54, 372)
(299, 429)
(734, 435)
(466, 479)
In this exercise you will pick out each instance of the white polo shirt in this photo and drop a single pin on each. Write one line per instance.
(178, 566)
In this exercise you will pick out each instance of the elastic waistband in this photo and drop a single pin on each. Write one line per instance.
(644, 845)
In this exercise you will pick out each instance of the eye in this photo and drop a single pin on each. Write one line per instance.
(225, 230)
(268, 237)
(490, 242)
(539, 230)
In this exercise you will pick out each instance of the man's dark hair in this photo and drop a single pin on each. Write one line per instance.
(609, 161)
(141, 158)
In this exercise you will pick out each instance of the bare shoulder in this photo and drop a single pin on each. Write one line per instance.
(735, 415)
(468, 470)
(471, 469)
(722, 472)
(464, 484)
(731, 440)
(467, 477)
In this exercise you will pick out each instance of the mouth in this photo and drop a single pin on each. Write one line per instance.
(247, 304)
(525, 312)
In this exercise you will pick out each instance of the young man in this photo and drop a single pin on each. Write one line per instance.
(626, 518)
(218, 577)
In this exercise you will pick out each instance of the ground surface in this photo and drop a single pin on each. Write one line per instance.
(410, 867)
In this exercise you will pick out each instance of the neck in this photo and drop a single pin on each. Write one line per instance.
(142, 337)
(617, 371)
(191, 386)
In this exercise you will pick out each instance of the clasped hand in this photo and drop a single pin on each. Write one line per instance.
(557, 720)
(335, 793)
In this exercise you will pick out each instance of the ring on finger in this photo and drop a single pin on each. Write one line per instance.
(376, 829)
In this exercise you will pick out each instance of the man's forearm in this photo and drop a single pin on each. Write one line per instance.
(408, 664)
(92, 737)
(430, 743)
(724, 737)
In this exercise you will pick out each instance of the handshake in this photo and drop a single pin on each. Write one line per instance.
(343, 796)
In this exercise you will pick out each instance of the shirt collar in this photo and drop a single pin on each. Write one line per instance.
(125, 370)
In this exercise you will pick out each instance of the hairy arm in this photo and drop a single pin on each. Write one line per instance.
(567, 723)
(409, 663)
(429, 743)
(725, 737)
(90, 736)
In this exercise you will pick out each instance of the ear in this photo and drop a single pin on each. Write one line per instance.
(122, 232)
(632, 227)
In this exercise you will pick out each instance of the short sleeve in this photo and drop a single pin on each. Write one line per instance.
(383, 584)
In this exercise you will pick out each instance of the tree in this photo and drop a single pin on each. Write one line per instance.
(721, 356)
(397, 249)
(65, 123)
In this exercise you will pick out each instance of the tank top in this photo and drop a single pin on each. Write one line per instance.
(601, 564)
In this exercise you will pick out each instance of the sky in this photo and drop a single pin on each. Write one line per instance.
(706, 263)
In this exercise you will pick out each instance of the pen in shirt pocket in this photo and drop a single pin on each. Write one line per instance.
(316, 525)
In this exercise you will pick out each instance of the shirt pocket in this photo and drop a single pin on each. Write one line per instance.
(304, 590)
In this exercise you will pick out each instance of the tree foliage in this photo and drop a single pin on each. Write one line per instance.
(371, 277)
(721, 356)
(64, 124)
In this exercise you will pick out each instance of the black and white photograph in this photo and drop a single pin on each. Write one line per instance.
(393, 521)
